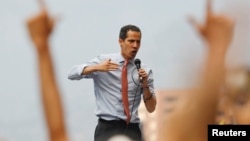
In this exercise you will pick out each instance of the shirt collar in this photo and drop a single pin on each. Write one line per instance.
(121, 59)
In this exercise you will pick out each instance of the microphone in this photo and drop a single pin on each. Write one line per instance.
(137, 63)
(138, 66)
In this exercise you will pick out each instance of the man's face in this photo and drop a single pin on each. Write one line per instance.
(130, 46)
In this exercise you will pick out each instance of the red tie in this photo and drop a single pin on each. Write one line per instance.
(125, 91)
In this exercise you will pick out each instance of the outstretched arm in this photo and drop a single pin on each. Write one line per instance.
(193, 112)
(40, 28)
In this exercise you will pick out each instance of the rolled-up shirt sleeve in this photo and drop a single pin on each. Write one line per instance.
(76, 72)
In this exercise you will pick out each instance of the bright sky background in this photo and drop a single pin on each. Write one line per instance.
(170, 46)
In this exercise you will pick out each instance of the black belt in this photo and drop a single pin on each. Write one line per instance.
(119, 122)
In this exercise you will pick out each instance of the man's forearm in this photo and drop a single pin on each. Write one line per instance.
(51, 95)
(89, 69)
(149, 100)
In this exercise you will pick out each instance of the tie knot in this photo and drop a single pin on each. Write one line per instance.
(125, 63)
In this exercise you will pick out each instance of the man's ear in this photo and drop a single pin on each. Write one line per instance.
(120, 40)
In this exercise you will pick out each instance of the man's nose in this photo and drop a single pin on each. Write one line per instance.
(136, 44)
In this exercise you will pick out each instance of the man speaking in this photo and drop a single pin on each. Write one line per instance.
(120, 82)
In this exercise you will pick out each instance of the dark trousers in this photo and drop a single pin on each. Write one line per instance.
(107, 129)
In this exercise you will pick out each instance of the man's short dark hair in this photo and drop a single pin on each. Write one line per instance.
(124, 30)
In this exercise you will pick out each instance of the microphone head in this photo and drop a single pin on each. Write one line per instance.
(138, 63)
